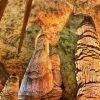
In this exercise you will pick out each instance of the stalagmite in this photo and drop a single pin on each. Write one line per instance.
(51, 16)
(56, 92)
(38, 79)
(88, 61)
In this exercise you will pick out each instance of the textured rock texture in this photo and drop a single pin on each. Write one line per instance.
(66, 50)
(62, 30)
(89, 75)
(88, 61)
(9, 30)
(9, 33)
(38, 79)
(51, 25)
(10, 90)
(91, 8)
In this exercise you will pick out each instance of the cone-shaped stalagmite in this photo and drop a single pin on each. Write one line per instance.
(38, 79)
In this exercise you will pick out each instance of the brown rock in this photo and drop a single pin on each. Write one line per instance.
(90, 8)
(55, 94)
(38, 79)
(1, 86)
(88, 62)
(10, 91)
(55, 61)
(3, 4)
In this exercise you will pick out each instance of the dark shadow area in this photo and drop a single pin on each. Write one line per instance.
(3, 76)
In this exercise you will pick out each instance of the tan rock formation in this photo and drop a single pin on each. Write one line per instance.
(55, 61)
(53, 24)
(52, 16)
(12, 18)
(91, 8)
(88, 61)
(38, 79)
(55, 94)
(10, 91)
(88, 77)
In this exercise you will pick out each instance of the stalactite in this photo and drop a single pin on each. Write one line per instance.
(3, 4)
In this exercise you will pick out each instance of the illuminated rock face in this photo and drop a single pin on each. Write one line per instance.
(52, 21)
(88, 62)
(52, 24)
(89, 67)
(55, 61)
(91, 8)
(10, 90)
(52, 16)
(42, 78)
(38, 79)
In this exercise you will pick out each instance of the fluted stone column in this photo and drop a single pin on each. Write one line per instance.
(88, 61)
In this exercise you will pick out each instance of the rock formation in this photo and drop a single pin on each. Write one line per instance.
(88, 61)
(10, 90)
(90, 8)
(51, 17)
(38, 79)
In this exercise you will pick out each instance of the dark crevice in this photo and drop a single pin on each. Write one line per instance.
(87, 45)
(85, 36)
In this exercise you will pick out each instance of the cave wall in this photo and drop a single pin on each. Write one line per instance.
(10, 27)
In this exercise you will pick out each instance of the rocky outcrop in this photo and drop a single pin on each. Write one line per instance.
(90, 76)
(56, 71)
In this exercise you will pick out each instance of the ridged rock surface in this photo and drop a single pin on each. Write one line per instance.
(90, 8)
(88, 62)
